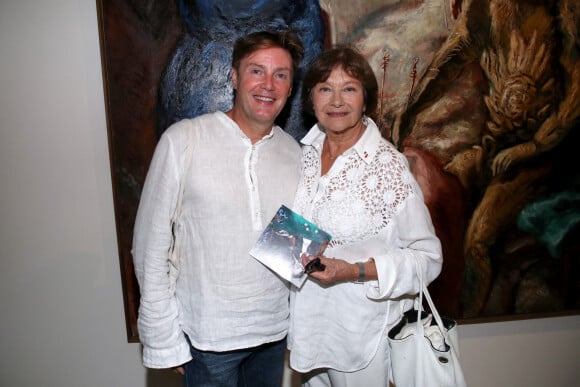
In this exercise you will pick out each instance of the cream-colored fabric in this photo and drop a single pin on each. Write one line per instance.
(224, 299)
(373, 207)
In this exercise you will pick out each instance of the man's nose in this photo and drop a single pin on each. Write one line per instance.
(268, 83)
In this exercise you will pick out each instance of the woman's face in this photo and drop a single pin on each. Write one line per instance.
(338, 102)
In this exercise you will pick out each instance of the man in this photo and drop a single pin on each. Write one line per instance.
(217, 316)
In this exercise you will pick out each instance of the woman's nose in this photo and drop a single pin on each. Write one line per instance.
(336, 99)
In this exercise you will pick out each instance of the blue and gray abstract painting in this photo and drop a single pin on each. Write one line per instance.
(197, 79)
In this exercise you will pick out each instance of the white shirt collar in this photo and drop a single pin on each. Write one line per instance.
(365, 147)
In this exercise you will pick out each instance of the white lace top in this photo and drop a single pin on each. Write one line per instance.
(373, 207)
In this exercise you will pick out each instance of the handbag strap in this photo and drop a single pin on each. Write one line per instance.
(420, 329)
(424, 291)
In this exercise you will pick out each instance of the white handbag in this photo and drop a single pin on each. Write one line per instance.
(423, 347)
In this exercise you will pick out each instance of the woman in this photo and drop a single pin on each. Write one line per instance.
(359, 188)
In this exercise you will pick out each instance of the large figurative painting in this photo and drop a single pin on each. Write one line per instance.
(481, 95)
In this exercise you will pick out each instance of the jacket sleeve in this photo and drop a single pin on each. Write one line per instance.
(415, 238)
(164, 343)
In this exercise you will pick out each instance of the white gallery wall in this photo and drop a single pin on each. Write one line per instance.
(61, 311)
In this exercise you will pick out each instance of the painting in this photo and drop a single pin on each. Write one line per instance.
(481, 95)
(489, 123)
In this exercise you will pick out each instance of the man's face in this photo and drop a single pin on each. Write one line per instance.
(263, 83)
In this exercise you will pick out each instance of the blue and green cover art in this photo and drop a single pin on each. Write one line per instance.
(283, 241)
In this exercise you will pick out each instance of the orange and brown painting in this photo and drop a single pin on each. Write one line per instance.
(483, 97)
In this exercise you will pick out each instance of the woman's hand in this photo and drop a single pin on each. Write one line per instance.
(336, 270)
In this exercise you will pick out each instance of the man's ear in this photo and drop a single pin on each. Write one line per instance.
(234, 78)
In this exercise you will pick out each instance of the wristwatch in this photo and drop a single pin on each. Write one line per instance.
(361, 273)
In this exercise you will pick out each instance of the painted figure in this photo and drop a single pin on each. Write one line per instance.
(528, 51)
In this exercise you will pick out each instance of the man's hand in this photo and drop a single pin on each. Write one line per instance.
(179, 370)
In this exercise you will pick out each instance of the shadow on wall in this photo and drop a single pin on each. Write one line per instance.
(162, 378)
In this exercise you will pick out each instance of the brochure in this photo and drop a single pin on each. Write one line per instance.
(283, 241)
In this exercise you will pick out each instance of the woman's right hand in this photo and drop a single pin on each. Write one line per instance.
(336, 270)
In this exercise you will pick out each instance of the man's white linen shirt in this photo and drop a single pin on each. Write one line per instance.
(224, 299)
(373, 207)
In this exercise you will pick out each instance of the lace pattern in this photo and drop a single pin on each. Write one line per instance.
(359, 200)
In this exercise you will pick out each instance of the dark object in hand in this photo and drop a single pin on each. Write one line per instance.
(314, 265)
